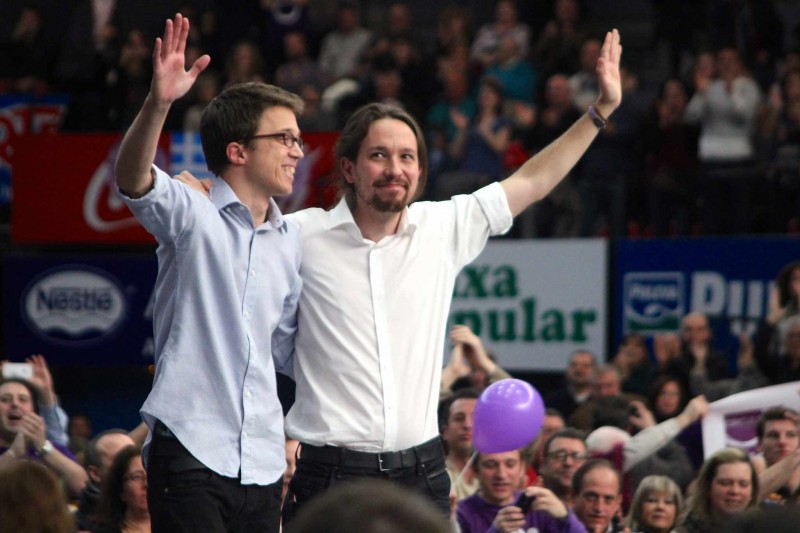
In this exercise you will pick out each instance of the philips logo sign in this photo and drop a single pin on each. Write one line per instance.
(74, 306)
(654, 301)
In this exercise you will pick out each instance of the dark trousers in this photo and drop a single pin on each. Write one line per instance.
(427, 476)
(185, 496)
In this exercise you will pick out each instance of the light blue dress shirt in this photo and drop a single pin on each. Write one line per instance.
(224, 321)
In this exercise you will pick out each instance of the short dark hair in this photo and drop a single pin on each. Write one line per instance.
(234, 115)
(356, 130)
(566, 433)
(32, 390)
(774, 413)
(588, 466)
(447, 403)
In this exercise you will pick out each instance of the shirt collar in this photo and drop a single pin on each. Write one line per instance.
(342, 216)
(222, 196)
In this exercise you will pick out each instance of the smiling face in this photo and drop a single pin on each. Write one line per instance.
(15, 401)
(270, 164)
(731, 489)
(499, 475)
(387, 170)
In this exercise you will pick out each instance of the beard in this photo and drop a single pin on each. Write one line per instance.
(382, 205)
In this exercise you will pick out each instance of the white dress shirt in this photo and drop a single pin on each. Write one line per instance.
(372, 319)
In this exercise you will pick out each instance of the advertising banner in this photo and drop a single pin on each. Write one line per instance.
(535, 302)
(728, 279)
(90, 309)
(70, 178)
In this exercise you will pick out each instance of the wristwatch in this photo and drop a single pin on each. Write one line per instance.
(46, 448)
(599, 120)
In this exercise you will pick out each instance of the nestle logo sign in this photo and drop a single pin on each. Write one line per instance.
(654, 302)
(74, 305)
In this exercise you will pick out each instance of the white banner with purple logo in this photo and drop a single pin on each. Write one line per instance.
(731, 422)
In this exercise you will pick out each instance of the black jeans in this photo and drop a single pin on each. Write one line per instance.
(185, 496)
(311, 478)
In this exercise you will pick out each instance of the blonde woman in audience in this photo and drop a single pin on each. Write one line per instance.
(31, 500)
(656, 506)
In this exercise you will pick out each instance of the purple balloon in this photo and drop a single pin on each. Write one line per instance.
(509, 414)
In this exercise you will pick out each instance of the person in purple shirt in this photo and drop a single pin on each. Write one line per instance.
(495, 507)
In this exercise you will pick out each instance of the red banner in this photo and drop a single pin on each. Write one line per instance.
(64, 188)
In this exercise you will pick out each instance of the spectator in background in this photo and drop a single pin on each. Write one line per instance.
(780, 130)
(784, 303)
(726, 486)
(725, 109)
(479, 144)
(123, 501)
(100, 454)
(579, 376)
(583, 86)
(245, 63)
(23, 434)
(205, 89)
(777, 432)
(696, 350)
(31, 500)
(558, 48)
(533, 453)
(597, 486)
(440, 128)
(564, 452)
(633, 361)
(315, 116)
(506, 23)
(469, 359)
(667, 396)
(493, 508)
(342, 48)
(456, 429)
(517, 77)
(657, 506)
(298, 69)
(671, 162)
(558, 215)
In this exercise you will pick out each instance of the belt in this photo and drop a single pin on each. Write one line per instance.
(336, 456)
(165, 444)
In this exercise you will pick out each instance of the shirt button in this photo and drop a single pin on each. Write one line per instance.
(253, 273)
(247, 394)
(244, 434)
(247, 315)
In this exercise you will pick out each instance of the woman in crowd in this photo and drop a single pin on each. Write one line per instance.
(123, 501)
(726, 487)
(656, 506)
(31, 500)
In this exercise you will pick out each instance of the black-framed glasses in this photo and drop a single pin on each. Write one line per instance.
(286, 138)
(561, 456)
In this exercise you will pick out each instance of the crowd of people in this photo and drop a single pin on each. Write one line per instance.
(705, 141)
(352, 303)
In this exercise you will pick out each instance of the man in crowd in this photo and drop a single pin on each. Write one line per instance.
(579, 376)
(99, 455)
(457, 413)
(564, 453)
(598, 493)
(496, 503)
(777, 432)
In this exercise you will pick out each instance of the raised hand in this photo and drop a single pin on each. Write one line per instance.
(42, 379)
(171, 80)
(608, 74)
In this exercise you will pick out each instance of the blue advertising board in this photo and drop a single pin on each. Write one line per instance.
(656, 282)
(81, 309)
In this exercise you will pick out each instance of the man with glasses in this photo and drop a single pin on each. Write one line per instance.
(226, 298)
(564, 453)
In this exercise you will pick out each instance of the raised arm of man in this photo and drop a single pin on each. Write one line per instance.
(171, 81)
(540, 174)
